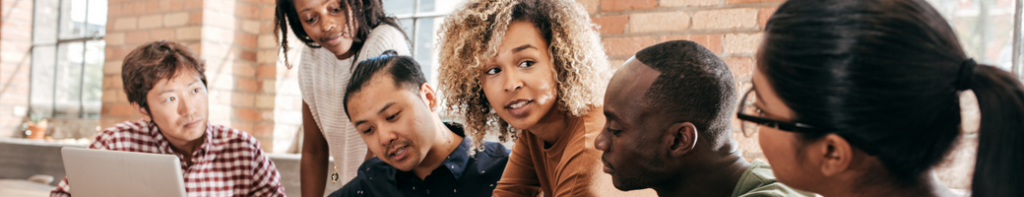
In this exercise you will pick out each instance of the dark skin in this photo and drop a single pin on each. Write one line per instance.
(325, 22)
(643, 148)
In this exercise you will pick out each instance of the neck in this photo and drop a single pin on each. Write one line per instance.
(186, 148)
(550, 127)
(926, 186)
(715, 178)
(445, 142)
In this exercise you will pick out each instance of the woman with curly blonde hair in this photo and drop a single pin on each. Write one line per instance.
(535, 66)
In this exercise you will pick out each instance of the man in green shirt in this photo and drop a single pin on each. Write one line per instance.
(668, 111)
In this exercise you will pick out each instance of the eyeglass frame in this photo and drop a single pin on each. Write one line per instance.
(777, 124)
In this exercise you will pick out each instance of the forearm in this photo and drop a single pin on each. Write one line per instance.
(313, 164)
(313, 169)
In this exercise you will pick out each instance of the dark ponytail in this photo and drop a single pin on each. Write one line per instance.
(998, 170)
(368, 15)
(885, 75)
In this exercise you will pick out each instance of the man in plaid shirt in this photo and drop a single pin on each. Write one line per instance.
(166, 84)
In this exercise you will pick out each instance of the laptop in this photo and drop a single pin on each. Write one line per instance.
(93, 172)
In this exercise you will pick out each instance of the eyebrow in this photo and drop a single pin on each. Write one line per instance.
(610, 115)
(521, 48)
(386, 106)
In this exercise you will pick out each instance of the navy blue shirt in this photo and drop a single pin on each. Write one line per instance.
(459, 175)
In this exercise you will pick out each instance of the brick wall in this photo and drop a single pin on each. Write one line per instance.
(733, 30)
(15, 63)
(730, 28)
(234, 37)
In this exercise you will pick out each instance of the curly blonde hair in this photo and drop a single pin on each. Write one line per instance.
(472, 34)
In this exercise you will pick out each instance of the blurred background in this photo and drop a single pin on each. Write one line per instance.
(60, 64)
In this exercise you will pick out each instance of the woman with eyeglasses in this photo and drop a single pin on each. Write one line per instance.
(863, 98)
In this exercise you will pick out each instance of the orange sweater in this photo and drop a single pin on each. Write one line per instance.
(570, 167)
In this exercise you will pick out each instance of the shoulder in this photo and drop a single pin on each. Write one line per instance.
(493, 155)
(126, 134)
(226, 137)
(382, 38)
(759, 181)
(373, 179)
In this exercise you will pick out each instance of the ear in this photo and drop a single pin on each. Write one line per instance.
(683, 138)
(142, 111)
(428, 96)
(836, 153)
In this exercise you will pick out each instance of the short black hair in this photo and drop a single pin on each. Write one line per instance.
(403, 69)
(694, 86)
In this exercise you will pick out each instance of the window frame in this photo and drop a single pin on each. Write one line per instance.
(56, 55)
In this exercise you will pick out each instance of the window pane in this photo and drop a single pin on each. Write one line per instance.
(69, 80)
(406, 27)
(41, 100)
(72, 19)
(398, 7)
(44, 26)
(446, 6)
(93, 81)
(426, 6)
(424, 45)
(984, 27)
(97, 18)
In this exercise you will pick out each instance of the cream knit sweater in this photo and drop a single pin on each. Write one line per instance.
(322, 80)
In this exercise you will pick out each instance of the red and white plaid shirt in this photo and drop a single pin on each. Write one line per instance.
(229, 163)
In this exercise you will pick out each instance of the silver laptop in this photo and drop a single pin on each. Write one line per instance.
(115, 173)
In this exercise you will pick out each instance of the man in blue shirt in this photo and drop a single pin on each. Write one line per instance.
(393, 109)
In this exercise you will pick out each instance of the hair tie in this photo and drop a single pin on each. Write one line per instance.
(966, 74)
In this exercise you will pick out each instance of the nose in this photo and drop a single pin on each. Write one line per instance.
(602, 141)
(328, 23)
(186, 107)
(512, 81)
(386, 136)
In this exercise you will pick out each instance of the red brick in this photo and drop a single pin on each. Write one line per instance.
(750, 1)
(246, 10)
(764, 14)
(152, 6)
(248, 115)
(121, 109)
(175, 5)
(266, 71)
(161, 34)
(195, 18)
(711, 41)
(247, 127)
(627, 46)
(621, 5)
(243, 69)
(267, 12)
(248, 55)
(193, 4)
(247, 84)
(741, 67)
(245, 40)
(114, 10)
(136, 37)
(612, 24)
(263, 130)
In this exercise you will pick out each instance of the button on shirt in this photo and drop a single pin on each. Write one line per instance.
(461, 174)
(228, 163)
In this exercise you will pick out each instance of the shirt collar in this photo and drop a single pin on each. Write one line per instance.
(457, 161)
(166, 145)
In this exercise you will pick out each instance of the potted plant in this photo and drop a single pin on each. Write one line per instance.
(36, 127)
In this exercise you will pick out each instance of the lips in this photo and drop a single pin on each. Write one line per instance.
(398, 153)
(607, 166)
(192, 124)
(519, 108)
(332, 39)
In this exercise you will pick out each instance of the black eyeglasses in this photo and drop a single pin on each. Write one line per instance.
(757, 118)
